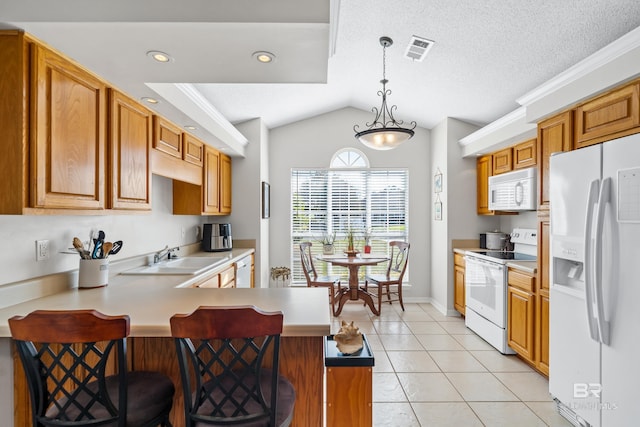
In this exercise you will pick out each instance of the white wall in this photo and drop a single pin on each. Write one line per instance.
(458, 197)
(248, 174)
(141, 234)
(311, 143)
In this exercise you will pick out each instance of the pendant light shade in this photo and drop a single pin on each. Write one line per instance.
(385, 132)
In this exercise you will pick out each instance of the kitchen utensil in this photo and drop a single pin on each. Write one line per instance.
(106, 249)
(117, 245)
(97, 250)
(79, 246)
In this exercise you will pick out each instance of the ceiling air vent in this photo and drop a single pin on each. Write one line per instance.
(418, 48)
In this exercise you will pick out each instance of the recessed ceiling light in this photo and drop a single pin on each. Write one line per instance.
(190, 127)
(149, 100)
(159, 56)
(264, 57)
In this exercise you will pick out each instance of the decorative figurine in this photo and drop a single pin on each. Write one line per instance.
(349, 338)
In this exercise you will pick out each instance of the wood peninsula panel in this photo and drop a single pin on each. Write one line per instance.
(129, 153)
(349, 396)
(68, 134)
(301, 361)
(607, 115)
(525, 154)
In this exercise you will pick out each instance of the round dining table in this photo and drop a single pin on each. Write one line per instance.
(353, 263)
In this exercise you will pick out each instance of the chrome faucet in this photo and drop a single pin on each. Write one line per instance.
(157, 257)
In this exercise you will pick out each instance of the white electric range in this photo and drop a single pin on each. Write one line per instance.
(486, 287)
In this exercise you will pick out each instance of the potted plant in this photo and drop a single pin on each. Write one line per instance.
(367, 240)
(327, 243)
(351, 251)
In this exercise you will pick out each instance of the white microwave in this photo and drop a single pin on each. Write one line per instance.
(513, 191)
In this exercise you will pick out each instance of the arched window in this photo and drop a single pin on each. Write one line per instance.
(349, 158)
(349, 196)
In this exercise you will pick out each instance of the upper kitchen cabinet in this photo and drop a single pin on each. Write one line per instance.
(484, 169)
(213, 197)
(167, 137)
(53, 115)
(525, 155)
(193, 150)
(502, 161)
(130, 135)
(554, 135)
(175, 154)
(608, 116)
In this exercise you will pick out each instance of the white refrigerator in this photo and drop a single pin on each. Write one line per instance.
(594, 330)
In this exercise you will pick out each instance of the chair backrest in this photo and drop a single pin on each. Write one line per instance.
(222, 353)
(398, 259)
(306, 260)
(65, 357)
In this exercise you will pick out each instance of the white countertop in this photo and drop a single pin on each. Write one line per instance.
(151, 300)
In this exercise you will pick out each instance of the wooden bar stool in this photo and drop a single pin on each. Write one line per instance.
(66, 358)
(228, 360)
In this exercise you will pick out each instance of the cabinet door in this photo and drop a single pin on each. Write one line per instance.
(68, 142)
(502, 161)
(459, 297)
(543, 256)
(211, 189)
(484, 169)
(520, 324)
(606, 115)
(554, 135)
(167, 137)
(542, 333)
(225, 184)
(193, 150)
(129, 153)
(525, 155)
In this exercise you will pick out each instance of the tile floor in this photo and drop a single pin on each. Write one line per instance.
(430, 370)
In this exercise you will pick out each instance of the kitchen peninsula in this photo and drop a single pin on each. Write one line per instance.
(151, 300)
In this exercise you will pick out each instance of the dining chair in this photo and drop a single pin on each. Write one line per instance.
(68, 358)
(390, 283)
(313, 280)
(229, 359)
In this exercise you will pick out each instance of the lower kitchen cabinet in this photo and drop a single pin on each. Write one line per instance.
(222, 279)
(542, 337)
(521, 313)
(458, 282)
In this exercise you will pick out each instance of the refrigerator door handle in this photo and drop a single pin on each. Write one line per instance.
(592, 199)
(603, 200)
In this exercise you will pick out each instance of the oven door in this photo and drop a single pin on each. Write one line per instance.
(485, 286)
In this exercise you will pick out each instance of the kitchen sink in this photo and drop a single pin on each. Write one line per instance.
(186, 266)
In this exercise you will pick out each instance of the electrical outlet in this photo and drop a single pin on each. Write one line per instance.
(42, 250)
(183, 232)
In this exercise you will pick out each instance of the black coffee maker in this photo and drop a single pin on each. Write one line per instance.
(217, 237)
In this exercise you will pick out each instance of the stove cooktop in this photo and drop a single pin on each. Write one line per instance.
(514, 256)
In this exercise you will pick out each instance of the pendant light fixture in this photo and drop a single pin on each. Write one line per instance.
(385, 132)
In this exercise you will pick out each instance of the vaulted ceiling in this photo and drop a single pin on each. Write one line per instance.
(486, 53)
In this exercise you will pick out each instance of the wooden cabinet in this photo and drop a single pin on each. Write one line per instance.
(554, 135)
(484, 169)
(213, 197)
(608, 116)
(521, 313)
(542, 299)
(502, 161)
(458, 282)
(525, 154)
(68, 142)
(221, 279)
(167, 137)
(193, 150)
(130, 135)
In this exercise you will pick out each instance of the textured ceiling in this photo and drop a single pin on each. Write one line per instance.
(487, 53)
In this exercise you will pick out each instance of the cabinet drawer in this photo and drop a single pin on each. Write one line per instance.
(614, 112)
(521, 280)
(209, 282)
(458, 259)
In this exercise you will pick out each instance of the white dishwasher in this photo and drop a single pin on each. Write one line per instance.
(243, 272)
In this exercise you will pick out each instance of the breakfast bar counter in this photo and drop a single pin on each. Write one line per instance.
(151, 300)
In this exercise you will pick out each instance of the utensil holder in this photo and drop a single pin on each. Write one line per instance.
(93, 273)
